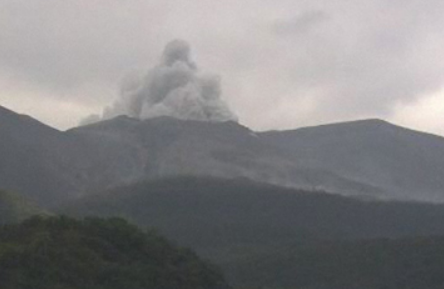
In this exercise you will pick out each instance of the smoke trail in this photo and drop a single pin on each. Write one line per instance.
(172, 88)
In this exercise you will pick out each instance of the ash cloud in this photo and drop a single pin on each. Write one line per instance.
(174, 88)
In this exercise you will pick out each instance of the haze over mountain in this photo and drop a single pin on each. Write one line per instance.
(371, 159)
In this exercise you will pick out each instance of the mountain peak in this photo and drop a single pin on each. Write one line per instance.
(362, 123)
(21, 123)
(124, 123)
(371, 121)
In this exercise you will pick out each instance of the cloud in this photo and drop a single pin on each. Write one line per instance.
(173, 88)
(284, 64)
(365, 61)
(426, 114)
(300, 24)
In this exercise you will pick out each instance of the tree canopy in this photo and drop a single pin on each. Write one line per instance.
(94, 253)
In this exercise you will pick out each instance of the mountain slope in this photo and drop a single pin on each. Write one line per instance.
(128, 150)
(35, 160)
(406, 164)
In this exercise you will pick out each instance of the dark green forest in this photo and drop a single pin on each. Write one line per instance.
(411, 263)
(64, 253)
(260, 236)
(206, 213)
(264, 236)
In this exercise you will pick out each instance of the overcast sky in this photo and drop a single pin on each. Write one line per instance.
(284, 64)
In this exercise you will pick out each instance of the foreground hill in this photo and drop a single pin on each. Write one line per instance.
(59, 252)
(372, 264)
(15, 208)
(208, 213)
(265, 236)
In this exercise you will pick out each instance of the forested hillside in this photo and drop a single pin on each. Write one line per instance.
(58, 252)
(261, 236)
(209, 212)
(264, 236)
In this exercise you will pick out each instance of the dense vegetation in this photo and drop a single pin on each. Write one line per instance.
(206, 213)
(270, 237)
(372, 264)
(63, 253)
(15, 208)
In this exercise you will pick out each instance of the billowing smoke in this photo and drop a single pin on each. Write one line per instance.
(173, 88)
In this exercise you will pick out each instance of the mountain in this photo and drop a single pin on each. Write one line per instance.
(367, 159)
(128, 150)
(280, 209)
(403, 163)
(59, 252)
(15, 208)
(50, 166)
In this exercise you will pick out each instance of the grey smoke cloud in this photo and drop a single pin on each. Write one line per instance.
(174, 88)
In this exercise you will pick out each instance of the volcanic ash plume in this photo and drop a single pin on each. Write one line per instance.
(172, 88)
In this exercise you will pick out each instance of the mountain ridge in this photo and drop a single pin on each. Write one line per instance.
(367, 158)
(406, 162)
(367, 123)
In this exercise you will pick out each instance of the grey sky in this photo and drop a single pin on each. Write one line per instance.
(284, 64)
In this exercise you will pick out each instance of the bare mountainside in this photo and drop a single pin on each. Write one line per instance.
(369, 159)
(35, 159)
(130, 150)
(404, 163)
